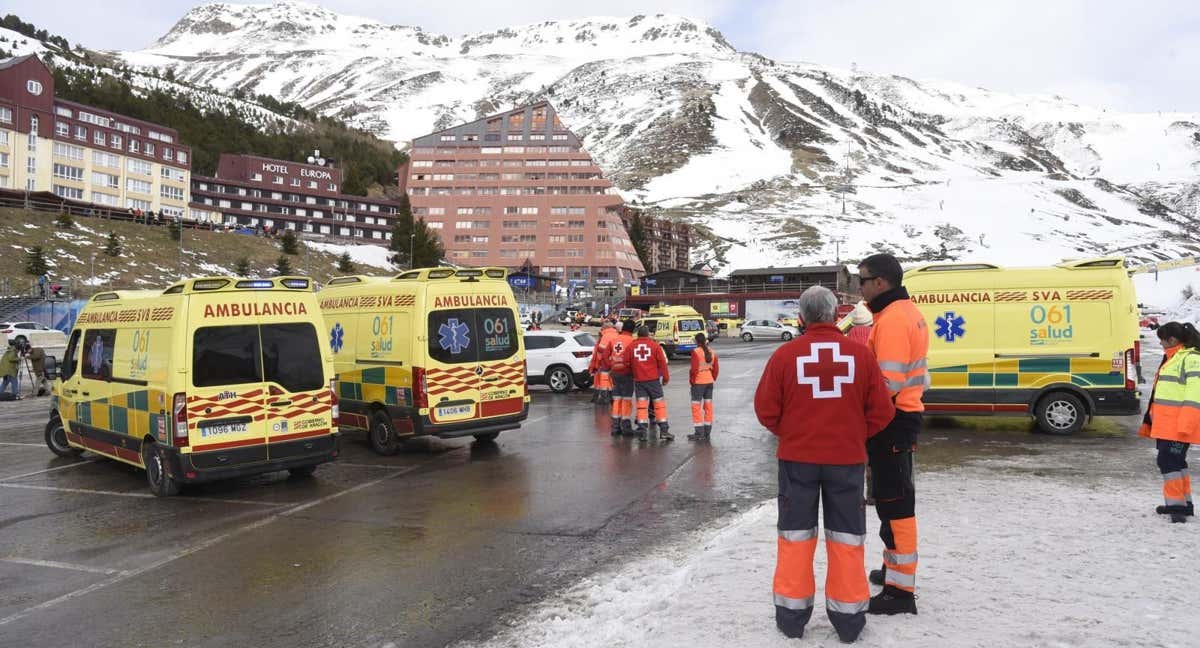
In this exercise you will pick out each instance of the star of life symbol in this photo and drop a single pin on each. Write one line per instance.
(825, 376)
(454, 336)
(642, 353)
(950, 326)
(336, 337)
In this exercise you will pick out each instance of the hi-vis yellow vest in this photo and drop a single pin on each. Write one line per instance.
(1175, 414)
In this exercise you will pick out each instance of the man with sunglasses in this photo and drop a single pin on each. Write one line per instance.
(900, 342)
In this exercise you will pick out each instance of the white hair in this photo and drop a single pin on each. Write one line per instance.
(818, 305)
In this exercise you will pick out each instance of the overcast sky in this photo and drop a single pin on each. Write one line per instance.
(1120, 54)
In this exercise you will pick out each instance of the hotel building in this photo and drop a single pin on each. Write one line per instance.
(253, 191)
(516, 190)
(84, 153)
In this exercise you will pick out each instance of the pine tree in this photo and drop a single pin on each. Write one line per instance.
(346, 264)
(174, 230)
(35, 261)
(242, 269)
(637, 238)
(401, 230)
(113, 247)
(65, 221)
(283, 266)
(428, 250)
(289, 243)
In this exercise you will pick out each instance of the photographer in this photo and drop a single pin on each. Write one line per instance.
(9, 366)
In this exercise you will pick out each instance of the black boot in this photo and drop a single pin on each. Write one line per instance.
(877, 575)
(641, 434)
(697, 435)
(1163, 509)
(627, 428)
(664, 433)
(893, 600)
(616, 427)
(1178, 518)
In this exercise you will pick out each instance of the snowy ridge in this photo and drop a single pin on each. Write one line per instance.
(758, 152)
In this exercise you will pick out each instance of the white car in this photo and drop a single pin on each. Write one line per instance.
(558, 359)
(767, 330)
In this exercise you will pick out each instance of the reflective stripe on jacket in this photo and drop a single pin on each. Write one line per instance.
(900, 341)
(1175, 410)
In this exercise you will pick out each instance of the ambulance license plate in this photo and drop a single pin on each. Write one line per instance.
(223, 428)
(453, 410)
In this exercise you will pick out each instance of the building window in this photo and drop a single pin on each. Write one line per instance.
(168, 154)
(171, 212)
(256, 177)
(295, 182)
(93, 119)
(134, 185)
(98, 138)
(6, 115)
(172, 193)
(447, 138)
(559, 137)
(71, 193)
(3, 160)
(140, 167)
(62, 129)
(312, 184)
(171, 173)
(31, 145)
(149, 149)
(181, 157)
(134, 146)
(3, 138)
(105, 199)
(68, 151)
(490, 150)
(278, 180)
(332, 187)
(81, 133)
(68, 172)
(106, 180)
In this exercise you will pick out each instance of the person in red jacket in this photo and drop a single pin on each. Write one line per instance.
(648, 364)
(619, 369)
(703, 373)
(823, 396)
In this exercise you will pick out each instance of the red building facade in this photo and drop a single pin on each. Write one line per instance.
(517, 190)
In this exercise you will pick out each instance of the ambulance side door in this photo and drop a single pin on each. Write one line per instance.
(93, 389)
(962, 353)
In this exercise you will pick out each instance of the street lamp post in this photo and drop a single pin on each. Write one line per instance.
(412, 238)
(93, 270)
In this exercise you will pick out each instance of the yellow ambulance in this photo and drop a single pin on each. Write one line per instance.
(212, 378)
(435, 351)
(674, 327)
(1058, 343)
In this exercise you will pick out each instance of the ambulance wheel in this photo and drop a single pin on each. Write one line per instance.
(56, 439)
(161, 484)
(383, 435)
(746, 337)
(303, 471)
(1060, 413)
(487, 438)
(558, 378)
(787, 336)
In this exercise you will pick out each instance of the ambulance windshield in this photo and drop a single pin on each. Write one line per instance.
(468, 335)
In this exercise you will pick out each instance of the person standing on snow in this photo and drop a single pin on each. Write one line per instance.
(648, 364)
(900, 342)
(622, 377)
(824, 397)
(861, 322)
(1173, 416)
(702, 375)
(600, 365)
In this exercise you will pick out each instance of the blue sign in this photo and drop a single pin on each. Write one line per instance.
(520, 281)
(950, 326)
(776, 278)
(651, 282)
(454, 336)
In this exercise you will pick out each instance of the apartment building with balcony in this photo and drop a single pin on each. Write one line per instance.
(516, 189)
(668, 242)
(84, 153)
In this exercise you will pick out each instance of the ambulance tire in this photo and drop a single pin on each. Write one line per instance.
(56, 439)
(487, 437)
(559, 379)
(161, 484)
(1060, 413)
(303, 471)
(383, 435)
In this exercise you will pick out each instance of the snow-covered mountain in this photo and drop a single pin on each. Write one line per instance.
(762, 153)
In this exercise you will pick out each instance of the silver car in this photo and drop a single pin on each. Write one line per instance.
(767, 330)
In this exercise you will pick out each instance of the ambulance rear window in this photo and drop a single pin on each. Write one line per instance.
(292, 356)
(226, 355)
(469, 335)
(691, 325)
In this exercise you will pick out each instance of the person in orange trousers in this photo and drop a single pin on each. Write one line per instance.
(703, 373)
(600, 365)
(824, 397)
(622, 376)
(1173, 416)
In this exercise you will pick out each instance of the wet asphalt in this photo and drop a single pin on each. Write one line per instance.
(442, 542)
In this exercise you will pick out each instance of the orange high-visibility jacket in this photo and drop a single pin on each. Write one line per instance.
(701, 372)
(900, 341)
(600, 360)
(1175, 407)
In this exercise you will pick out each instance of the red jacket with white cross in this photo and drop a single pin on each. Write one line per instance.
(823, 395)
(648, 360)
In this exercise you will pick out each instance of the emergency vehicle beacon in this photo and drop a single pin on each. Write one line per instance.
(209, 379)
(1058, 343)
(435, 351)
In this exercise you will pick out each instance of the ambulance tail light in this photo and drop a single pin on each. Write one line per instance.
(420, 392)
(333, 400)
(1131, 369)
(179, 427)
(1137, 351)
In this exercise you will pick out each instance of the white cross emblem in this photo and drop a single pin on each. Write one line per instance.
(822, 373)
(642, 353)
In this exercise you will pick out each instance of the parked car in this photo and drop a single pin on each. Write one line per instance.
(558, 359)
(8, 328)
(767, 330)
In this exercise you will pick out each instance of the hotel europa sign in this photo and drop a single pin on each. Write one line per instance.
(316, 174)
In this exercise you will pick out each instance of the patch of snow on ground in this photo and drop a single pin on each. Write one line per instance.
(1007, 559)
(371, 255)
(1166, 289)
(214, 269)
